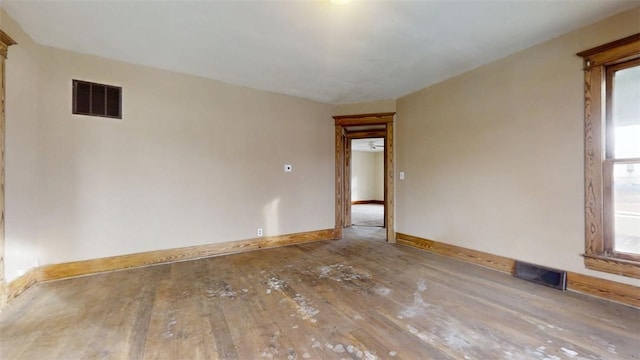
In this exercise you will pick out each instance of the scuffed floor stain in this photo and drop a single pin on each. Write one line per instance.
(348, 276)
(569, 353)
(223, 291)
(350, 351)
(381, 290)
(341, 272)
(305, 309)
(171, 324)
(275, 283)
(445, 330)
(302, 304)
(604, 343)
(539, 352)
(272, 351)
(418, 306)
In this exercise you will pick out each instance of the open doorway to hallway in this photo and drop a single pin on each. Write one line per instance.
(367, 182)
(366, 126)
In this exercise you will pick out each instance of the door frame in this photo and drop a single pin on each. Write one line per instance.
(343, 135)
(5, 42)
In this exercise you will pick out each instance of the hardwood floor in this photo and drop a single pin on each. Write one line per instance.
(357, 298)
(367, 215)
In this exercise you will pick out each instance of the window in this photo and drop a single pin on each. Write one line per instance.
(97, 99)
(623, 157)
(612, 157)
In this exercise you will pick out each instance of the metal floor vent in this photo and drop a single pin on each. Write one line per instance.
(541, 275)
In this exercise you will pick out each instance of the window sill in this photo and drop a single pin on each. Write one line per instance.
(613, 265)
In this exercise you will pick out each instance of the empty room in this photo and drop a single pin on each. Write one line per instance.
(321, 179)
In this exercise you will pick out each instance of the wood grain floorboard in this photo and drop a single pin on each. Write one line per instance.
(357, 298)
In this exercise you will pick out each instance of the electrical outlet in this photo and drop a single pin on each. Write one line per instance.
(259, 231)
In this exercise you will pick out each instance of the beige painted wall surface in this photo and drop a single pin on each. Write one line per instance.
(21, 156)
(365, 176)
(193, 161)
(494, 158)
(373, 107)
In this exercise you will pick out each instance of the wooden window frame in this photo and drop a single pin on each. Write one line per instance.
(599, 65)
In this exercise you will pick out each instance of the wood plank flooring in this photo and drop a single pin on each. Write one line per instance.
(367, 215)
(357, 298)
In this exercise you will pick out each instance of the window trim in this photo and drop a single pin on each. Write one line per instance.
(598, 253)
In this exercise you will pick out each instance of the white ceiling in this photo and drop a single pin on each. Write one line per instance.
(368, 145)
(361, 51)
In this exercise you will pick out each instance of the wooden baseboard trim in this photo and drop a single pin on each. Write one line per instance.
(363, 202)
(22, 283)
(114, 263)
(491, 261)
(610, 290)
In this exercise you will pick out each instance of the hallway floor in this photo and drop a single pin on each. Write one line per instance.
(367, 215)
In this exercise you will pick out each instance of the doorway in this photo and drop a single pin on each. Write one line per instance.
(367, 182)
(366, 126)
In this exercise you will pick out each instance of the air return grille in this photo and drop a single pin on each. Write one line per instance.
(97, 99)
(541, 275)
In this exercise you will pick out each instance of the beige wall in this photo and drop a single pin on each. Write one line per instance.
(373, 107)
(367, 176)
(193, 161)
(22, 146)
(494, 158)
